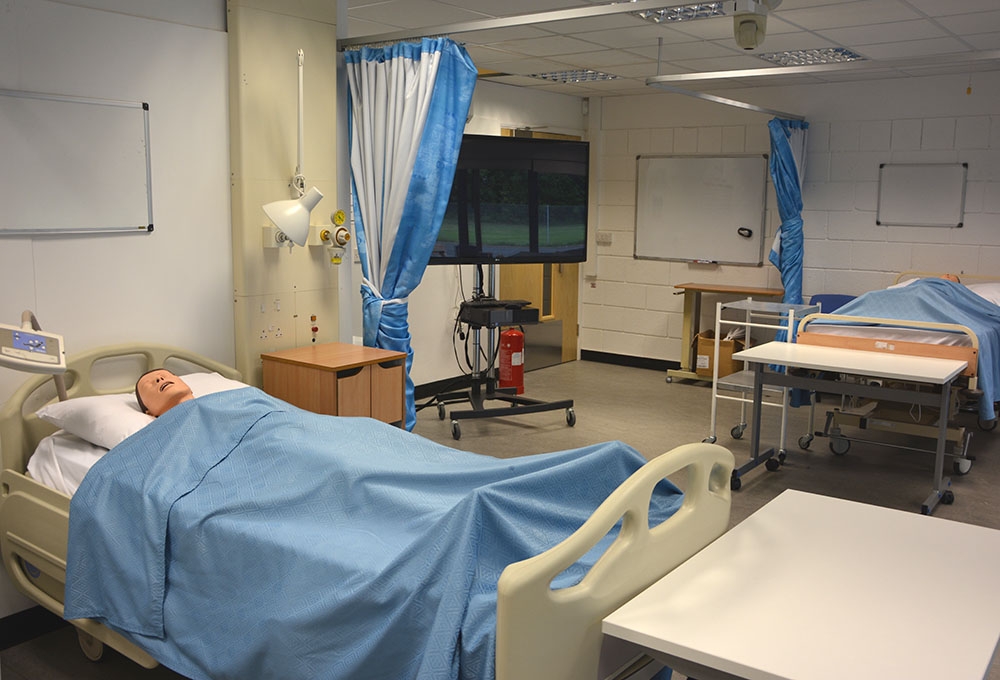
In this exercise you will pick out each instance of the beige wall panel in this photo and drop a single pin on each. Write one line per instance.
(323, 304)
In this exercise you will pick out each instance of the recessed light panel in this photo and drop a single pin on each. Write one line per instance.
(668, 15)
(577, 76)
(824, 55)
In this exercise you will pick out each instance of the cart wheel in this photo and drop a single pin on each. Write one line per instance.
(570, 416)
(772, 464)
(456, 431)
(737, 431)
(441, 412)
(804, 441)
(840, 446)
(92, 648)
(782, 455)
(709, 440)
(669, 379)
(735, 483)
(987, 425)
(961, 466)
(948, 497)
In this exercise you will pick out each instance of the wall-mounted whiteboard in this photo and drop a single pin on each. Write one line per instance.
(701, 208)
(921, 194)
(73, 165)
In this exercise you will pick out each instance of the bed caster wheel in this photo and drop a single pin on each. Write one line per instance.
(92, 648)
(709, 440)
(782, 455)
(987, 425)
(570, 417)
(948, 497)
(442, 413)
(735, 483)
(839, 446)
(961, 466)
(456, 431)
(772, 464)
(669, 379)
(737, 431)
(804, 441)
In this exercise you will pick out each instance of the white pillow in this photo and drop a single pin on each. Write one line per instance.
(903, 284)
(108, 419)
(61, 460)
(988, 291)
(105, 420)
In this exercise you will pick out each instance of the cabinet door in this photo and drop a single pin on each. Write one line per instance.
(387, 391)
(303, 386)
(354, 392)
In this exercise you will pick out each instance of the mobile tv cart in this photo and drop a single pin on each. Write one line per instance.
(484, 385)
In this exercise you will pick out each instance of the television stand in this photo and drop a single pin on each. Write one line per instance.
(486, 312)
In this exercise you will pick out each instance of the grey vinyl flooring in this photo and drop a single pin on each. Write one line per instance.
(639, 408)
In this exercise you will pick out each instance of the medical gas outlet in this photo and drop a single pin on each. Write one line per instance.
(335, 239)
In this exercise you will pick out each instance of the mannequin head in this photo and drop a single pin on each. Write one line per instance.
(159, 390)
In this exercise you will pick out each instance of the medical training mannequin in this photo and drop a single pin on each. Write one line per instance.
(950, 277)
(159, 390)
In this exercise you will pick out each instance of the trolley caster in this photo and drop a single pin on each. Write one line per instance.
(92, 648)
(456, 431)
(669, 379)
(987, 425)
(772, 464)
(804, 441)
(735, 483)
(709, 440)
(839, 446)
(570, 416)
(948, 497)
(961, 466)
(442, 413)
(782, 455)
(737, 431)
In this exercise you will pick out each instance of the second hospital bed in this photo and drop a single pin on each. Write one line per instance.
(540, 632)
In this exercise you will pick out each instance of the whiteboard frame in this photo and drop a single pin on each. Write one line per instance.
(763, 211)
(961, 205)
(144, 228)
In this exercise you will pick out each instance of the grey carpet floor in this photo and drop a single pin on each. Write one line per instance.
(639, 408)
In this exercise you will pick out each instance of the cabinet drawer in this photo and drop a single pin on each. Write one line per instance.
(308, 388)
(387, 391)
(354, 391)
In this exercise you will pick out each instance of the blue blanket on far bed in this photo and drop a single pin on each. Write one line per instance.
(240, 537)
(940, 300)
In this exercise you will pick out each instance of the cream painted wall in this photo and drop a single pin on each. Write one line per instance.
(173, 285)
(629, 307)
(434, 303)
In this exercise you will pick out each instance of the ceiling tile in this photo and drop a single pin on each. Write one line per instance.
(484, 56)
(936, 8)
(864, 74)
(692, 50)
(984, 41)
(968, 24)
(647, 34)
(644, 70)
(509, 8)
(359, 27)
(604, 23)
(914, 48)
(497, 35)
(522, 81)
(896, 31)
(601, 58)
(544, 47)
(719, 64)
(800, 40)
(848, 14)
(414, 13)
(527, 66)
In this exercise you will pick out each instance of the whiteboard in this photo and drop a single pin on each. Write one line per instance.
(71, 164)
(701, 208)
(921, 194)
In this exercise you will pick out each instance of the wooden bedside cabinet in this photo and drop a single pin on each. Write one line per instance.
(339, 379)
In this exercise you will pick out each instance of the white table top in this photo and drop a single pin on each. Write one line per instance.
(884, 365)
(817, 588)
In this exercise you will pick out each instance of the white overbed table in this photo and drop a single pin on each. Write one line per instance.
(817, 588)
(932, 371)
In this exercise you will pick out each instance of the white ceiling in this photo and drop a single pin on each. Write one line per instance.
(901, 33)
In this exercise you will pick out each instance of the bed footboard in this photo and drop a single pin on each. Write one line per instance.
(556, 634)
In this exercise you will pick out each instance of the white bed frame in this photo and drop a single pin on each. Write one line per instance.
(541, 633)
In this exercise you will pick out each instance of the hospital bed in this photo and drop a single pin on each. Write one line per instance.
(540, 632)
(918, 338)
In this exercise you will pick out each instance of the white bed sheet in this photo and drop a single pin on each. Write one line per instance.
(61, 461)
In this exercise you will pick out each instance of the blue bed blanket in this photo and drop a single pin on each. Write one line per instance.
(940, 300)
(240, 537)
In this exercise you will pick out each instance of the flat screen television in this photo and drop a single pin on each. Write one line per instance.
(516, 200)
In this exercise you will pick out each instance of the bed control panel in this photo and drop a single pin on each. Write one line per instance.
(24, 349)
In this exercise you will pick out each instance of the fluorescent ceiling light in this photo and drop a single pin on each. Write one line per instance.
(577, 76)
(823, 55)
(699, 10)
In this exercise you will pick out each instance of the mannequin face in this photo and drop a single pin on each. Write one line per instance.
(161, 390)
(950, 277)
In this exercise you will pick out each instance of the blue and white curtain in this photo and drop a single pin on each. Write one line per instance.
(407, 109)
(788, 163)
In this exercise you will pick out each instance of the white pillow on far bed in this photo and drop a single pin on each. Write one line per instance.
(108, 419)
(988, 291)
(61, 460)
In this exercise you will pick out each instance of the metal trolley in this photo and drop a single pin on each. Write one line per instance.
(781, 317)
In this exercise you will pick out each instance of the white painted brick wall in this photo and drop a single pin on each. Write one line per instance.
(972, 132)
(661, 141)
(710, 140)
(906, 134)
(734, 139)
(616, 218)
(876, 135)
(938, 133)
(686, 140)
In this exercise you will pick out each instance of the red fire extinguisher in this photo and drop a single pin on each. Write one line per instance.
(512, 359)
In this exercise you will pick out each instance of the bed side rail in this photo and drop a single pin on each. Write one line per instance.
(34, 528)
(556, 634)
(970, 355)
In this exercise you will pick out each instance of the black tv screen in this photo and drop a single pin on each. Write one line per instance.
(516, 200)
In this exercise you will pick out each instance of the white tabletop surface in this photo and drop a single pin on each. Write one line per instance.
(882, 364)
(817, 588)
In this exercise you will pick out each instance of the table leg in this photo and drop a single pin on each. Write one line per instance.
(941, 492)
(756, 457)
(692, 323)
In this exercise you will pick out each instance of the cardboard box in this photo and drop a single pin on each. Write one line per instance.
(706, 351)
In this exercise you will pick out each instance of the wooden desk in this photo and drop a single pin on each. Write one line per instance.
(692, 319)
(836, 360)
(817, 588)
(339, 379)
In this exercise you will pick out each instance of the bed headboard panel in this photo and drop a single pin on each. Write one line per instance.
(20, 432)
